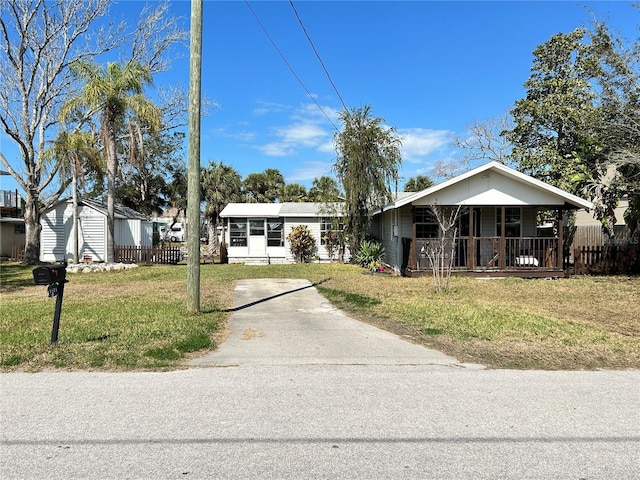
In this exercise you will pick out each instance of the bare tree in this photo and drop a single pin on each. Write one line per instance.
(482, 142)
(39, 41)
(441, 251)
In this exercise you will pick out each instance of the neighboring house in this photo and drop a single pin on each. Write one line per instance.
(131, 229)
(486, 245)
(589, 231)
(256, 233)
(12, 230)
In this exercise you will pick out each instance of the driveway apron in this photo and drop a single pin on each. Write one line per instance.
(287, 322)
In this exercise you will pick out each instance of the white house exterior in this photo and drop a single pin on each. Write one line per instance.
(256, 233)
(131, 229)
(485, 243)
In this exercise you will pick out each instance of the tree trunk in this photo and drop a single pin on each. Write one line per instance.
(32, 228)
(74, 226)
(112, 168)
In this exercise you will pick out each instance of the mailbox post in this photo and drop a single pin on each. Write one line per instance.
(54, 276)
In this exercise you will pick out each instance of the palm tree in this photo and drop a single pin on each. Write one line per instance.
(221, 184)
(367, 162)
(416, 184)
(114, 93)
(74, 152)
(324, 189)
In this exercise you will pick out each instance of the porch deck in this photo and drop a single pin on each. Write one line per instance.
(489, 256)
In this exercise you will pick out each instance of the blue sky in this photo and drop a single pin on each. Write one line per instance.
(429, 68)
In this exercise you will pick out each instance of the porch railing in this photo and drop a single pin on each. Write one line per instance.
(491, 253)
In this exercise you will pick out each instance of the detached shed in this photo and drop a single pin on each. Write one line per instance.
(132, 229)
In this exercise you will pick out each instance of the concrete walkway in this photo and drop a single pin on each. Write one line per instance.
(287, 322)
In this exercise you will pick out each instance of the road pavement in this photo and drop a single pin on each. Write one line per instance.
(301, 391)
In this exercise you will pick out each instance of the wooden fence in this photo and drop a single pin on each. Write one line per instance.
(17, 253)
(607, 259)
(148, 255)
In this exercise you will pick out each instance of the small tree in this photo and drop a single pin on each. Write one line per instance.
(302, 243)
(441, 251)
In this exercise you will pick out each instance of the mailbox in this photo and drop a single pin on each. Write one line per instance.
(49, 274)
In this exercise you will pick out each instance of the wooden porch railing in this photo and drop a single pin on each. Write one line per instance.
(491, 253)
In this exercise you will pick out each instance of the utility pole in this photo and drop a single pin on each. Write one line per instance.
(193, 174)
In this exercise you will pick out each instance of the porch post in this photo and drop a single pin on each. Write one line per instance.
(560, 261)
(502, 244)
(414, 244)
(471, 248)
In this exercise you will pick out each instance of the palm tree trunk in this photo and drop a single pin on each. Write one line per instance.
(112, 166)
(74, 197)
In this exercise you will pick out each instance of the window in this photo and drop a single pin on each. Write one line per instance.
(238, 232)
(426, 223)
(275, 232)
(256, 227)
(329, 225)
(512, 221)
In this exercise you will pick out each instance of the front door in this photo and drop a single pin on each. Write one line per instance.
(257, 240)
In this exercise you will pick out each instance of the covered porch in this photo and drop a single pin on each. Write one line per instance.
(484, 245)
(515, 249)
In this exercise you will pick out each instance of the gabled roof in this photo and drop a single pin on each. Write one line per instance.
(474, 187)
(120, 211)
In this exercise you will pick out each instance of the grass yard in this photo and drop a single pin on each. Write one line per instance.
(136, 319)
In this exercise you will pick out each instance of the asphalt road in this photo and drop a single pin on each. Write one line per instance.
(366, 405)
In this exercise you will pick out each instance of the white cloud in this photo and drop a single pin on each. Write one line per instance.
(306, 172)
(418, 143)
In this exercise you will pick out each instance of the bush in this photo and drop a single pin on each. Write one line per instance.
(370, 255)
(302, 243)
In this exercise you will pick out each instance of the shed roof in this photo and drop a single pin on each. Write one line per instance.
(273, 210)
(120, 211)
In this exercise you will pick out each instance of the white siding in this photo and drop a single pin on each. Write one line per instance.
(92, 238)
(55, 234)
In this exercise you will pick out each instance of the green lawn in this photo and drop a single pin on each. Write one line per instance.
(136, 319)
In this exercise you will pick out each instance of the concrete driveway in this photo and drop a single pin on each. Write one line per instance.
(308, 393)
(287, 322)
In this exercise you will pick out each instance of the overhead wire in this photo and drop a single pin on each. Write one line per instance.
(289, 65)
(317, 54)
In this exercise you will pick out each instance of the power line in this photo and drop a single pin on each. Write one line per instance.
(317, 54)
(288, 64)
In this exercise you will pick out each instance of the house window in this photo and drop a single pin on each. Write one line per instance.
(256, 227)
(238, 232)
(275, 232)
(329, 225)
(426, 223)
(512, 224)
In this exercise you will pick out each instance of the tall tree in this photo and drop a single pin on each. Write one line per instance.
(418, 183)
(116, 94)
(324, 189)
(142, 184)
(75, 152)
(553, 132)
(367, 163)
(294, 192)
(264, 187)
(39, 41)
(221, 184)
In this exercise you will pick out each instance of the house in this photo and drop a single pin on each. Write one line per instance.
(256, 233)
(56, 241)
(497, 228)
(12, 229)
(589, 231)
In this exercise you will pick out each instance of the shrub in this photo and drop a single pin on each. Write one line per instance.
(302, 243)
(370, 255)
